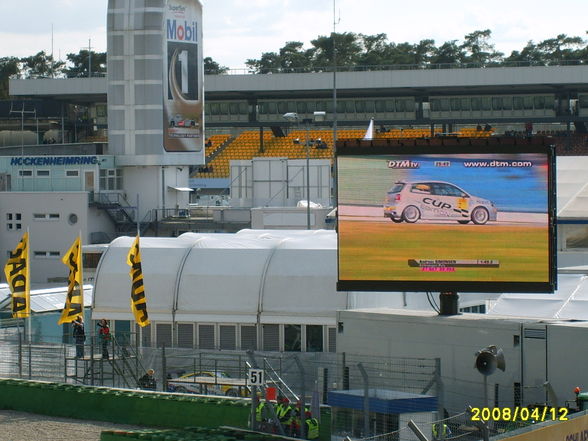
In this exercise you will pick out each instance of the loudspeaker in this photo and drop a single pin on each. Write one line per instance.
(488, 359)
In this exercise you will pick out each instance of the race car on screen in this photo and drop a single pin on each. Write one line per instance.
(436, 200)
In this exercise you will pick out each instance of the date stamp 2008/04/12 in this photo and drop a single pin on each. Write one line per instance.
(519, 414)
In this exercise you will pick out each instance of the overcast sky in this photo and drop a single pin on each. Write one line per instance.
(236, 30)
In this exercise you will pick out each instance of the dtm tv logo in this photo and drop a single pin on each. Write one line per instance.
(181, 30)
(404, 163)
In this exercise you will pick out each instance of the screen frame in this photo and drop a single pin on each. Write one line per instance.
(502, 145)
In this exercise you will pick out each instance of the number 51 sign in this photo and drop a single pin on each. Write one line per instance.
(256, 377)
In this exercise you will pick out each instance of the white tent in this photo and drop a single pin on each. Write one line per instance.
(248, 277)
(569, 302)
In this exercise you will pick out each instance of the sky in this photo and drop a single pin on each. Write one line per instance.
(237, 30)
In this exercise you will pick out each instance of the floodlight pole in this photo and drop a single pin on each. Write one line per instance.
(307, 122)
(448, 303)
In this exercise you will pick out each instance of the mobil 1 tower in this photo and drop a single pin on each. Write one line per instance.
(155, 98)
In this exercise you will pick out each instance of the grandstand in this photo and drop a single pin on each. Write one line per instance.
(292, 146)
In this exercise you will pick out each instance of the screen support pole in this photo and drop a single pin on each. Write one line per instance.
(448, 303)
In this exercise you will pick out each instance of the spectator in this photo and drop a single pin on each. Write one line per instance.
(79, 336)
(148, 381)
(104, 335)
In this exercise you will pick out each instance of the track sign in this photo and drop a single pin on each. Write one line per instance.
(256, 377)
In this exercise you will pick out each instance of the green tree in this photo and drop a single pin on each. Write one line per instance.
(211, 67)
(561, 48)
(9, 67)
(448, 53)
(41, 65)
(79, 63)
(347, 45)
(529, 56)
(478, 49)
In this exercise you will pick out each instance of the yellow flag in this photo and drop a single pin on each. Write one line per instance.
(138, 299)
(74, 303)
(17, 275)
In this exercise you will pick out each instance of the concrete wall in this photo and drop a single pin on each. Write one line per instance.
(66, 214)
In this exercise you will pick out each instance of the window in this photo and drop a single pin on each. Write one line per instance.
(282, 107)
(465, 104)
(248, 337)
(435, 105)
(234, 108)
(390, 106)
(25, 173)
(43, 173)
(145, 335)
(486, 103)
(292, 338)
(110, 179)
(476, 102)
(455, 104)
(9, 216)
(163, 334)
(46, 254)
(340, 106)
(369, 106)
(496, 103)
(272, 108)
(206, 336)
(314, 338)
(46, 216)
(507, 102)
(349, 106)
(243, 108)
(224, 109)
(72, 173)
(214, 109)
(359, 106)
(227, 337)
(528, 102)
(583, 101)
(444, 104)
(517, 102)
(185, 335)
(90, 260)
(101, 110)
(332, 339)
(539, 102)
(271, 337)
(401, 106)
(380, 106)
(301, 107)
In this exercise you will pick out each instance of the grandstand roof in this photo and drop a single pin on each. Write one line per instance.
(538, 79)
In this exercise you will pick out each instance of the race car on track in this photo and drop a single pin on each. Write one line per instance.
(436, 200)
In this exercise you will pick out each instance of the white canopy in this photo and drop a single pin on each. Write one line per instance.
(250, 276)
(569, 302)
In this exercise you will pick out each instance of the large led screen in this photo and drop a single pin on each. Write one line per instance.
(446, 219)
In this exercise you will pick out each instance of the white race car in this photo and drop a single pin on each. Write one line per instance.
(436, 200)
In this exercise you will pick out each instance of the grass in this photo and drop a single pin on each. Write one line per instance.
(380, 251)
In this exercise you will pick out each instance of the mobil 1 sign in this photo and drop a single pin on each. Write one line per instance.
(256, 377)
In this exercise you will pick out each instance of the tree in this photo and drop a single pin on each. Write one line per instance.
(79, 63)
(211, 67)
(560, 48)
(448, 53)
(41, 65)
(269, 62)
(529, 56)
(9, 67)
(478, 49)
(293, 58)
(347, 45)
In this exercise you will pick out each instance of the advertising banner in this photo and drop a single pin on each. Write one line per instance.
(183, 100)
(446, 221)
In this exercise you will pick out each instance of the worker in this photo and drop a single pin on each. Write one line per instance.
(312, 427)
(285, 413)
(440, 431)
(261, 417)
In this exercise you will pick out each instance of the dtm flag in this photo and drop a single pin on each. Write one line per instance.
(74, 302)
(16, 271)
(138, 299)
